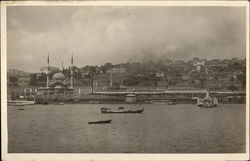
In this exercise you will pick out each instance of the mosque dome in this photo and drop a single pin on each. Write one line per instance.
(58, 76)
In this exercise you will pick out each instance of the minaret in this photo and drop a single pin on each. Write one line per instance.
(71, 74)
(48, 72)
(62, 66)
(111, 79)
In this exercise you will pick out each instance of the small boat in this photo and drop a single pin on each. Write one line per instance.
(121, 107)
(100, 122)
(75, 100)
(20, 102)
(94, 102)
(171, 103)
(162, 102)
(108, 110)
(60, 103)
(158, 102)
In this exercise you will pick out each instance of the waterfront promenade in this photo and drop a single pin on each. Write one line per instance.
(159, 129)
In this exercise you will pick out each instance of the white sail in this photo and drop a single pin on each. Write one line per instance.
(208, 101)
(216, 101)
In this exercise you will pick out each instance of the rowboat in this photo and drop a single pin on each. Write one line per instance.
(108, 110)
(100, 122)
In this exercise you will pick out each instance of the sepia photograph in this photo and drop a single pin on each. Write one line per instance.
(125, 79)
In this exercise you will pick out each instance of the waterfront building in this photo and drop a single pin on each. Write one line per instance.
(18, 84)
(18, 78)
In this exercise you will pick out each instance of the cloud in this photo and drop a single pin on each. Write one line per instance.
(97, 35)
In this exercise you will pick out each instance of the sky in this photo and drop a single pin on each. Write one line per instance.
(97, 35)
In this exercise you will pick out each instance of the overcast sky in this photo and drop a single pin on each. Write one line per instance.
(96, 35)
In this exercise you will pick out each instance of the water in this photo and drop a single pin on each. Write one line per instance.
(159, 129)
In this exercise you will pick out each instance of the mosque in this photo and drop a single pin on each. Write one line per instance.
(58, 85)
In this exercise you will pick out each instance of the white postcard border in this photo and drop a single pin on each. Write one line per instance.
(116, 156)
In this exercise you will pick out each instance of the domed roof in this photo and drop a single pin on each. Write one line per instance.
(59, 75)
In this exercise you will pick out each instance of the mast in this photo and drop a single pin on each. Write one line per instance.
(71, 74)
(47, 72)
(92, 83)
(62, 66)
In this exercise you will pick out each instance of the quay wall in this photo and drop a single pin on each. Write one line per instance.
(101, 98)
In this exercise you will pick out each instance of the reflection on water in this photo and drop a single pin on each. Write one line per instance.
(159, 129)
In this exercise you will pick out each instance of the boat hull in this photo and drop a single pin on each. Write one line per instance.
(20, 103)
(105, 111)
(100, 122)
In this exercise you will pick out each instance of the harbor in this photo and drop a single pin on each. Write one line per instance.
(62, 117)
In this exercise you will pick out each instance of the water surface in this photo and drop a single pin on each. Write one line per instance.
(159, 129)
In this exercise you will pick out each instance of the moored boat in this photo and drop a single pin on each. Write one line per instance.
(108, 110)
(18, 105)
(162, 102)
(171, 103)
(19, 102)
(60, 103)
(100, 121)
(94, 102)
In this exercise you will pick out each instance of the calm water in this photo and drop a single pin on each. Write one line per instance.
(159, 129)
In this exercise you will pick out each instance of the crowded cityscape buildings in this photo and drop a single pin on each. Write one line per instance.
(215, 74)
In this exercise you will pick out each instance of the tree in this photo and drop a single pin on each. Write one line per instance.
(232, 88)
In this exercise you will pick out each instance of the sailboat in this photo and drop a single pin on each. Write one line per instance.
(207, 102)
